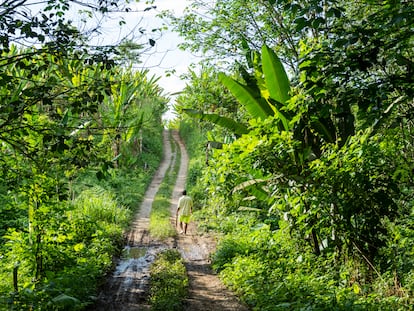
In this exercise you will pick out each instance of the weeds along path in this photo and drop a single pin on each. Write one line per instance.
(127, 288)
(206, 292)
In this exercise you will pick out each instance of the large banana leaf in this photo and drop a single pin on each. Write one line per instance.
(283, 116)
(276, 79)
(254, 186)
(256, 106)
(234, 126)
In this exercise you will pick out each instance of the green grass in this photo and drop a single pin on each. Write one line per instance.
(79, 240)
(169, 282)
(169, 279)
(160, 226)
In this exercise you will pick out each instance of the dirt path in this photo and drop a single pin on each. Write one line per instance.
(206, 292)
(127, 289)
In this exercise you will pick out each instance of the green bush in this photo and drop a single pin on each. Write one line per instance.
(169, 282)
(271, 272)
(77, 244)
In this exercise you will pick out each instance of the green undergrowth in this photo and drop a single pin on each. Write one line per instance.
(169, 282)
(77, 245)
(295, 249)
(160, 225)
(270, 271)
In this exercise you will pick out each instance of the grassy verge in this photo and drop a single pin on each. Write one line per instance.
(169, 281)
(160, 226)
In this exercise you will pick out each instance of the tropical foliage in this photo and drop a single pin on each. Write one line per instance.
(315, 186)
(80, 138)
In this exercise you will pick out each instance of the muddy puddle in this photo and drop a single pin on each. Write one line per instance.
(129, 283)
(133, 270)
(133, 252)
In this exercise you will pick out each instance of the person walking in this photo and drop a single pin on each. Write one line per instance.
(184, 211)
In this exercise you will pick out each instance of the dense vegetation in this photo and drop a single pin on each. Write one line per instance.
(306, 171)
(80, 137)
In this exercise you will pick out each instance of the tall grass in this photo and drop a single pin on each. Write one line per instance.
(100, 205)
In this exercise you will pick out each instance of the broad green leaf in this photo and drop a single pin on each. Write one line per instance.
(254, 187)
(133, 128)
(320, 127)
(284, 117)
(257, 107)
(276, 79)
(225, 122)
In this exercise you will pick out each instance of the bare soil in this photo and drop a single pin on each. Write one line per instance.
(127, 288)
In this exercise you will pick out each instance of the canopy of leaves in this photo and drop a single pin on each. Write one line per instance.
(230, 29)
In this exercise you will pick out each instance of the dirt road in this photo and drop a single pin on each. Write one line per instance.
(206, 292)
(127, 288)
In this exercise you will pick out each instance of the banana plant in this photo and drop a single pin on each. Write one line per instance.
(260, 100)
(263, 97)
(267, 93)
(116, 114)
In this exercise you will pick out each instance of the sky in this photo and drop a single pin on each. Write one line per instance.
(165, 55)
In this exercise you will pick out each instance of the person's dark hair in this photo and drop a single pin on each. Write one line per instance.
(184, 192)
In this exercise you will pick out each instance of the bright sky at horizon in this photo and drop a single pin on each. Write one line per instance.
(165, 56)
(163, 60)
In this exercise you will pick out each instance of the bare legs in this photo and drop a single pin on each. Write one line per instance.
(183, 227)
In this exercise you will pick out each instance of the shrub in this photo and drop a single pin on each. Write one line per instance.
(169, 281)
(270, 272)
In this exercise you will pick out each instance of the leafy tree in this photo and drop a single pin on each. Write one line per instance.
(230, 29)
(134, 100)
(321, 120)
(40, 130)
(55, 93)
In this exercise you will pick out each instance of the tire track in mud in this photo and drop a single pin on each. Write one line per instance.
(206, 292)
(127, 288)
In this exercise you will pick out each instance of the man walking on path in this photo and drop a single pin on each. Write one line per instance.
(184, 211)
